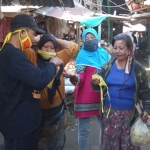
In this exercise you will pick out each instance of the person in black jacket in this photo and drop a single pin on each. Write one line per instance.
(134, 38)
(20, 112)
(127, 82)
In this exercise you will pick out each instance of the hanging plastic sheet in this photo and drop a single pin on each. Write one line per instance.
(93, 21)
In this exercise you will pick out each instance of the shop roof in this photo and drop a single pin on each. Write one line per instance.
(49, 3)
(116, 5)
(73, 14)
(141, 6)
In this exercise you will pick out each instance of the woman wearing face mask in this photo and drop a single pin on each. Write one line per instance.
(127, 82)
(52, 134)
(89, 61)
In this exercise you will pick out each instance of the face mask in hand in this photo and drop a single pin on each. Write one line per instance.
(91, 45)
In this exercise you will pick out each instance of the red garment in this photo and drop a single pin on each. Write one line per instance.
(87, 100)
(4, 27)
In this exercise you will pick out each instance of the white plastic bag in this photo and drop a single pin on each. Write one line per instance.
(140, 133)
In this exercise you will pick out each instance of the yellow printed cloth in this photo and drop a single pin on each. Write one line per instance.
(102, 84)
(51, 83)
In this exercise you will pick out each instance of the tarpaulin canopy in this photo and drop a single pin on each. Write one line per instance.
(73, 14)
(137, 27)
(49, 3)
(93, 21)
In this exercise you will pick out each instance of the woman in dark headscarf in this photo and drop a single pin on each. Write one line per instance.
(52, 135)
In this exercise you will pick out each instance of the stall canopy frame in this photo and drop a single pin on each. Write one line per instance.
(49, 3)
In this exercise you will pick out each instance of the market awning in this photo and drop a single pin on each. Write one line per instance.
(11, 11)
(73, 14)
(93, 21)
(49, 3)
(143, 18)
(137, 27)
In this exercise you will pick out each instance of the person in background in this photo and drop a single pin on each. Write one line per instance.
(87, 102)
(127, 82)
(20, 111)
(52, 134)
(142, 44)
(134, 38)
(137, 38)
(133, 41)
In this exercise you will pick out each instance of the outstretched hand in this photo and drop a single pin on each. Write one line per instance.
(95, 81)
(73, 77)
(66, 74)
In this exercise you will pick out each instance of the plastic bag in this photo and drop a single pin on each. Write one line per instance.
(140, 133)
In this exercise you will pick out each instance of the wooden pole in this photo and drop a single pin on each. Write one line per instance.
(108, 23)
(100, 26)
(148, 43)
(78, 34)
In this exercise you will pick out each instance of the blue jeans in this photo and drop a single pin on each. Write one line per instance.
(84, 130)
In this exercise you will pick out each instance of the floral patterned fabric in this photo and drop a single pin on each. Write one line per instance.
(116, 130)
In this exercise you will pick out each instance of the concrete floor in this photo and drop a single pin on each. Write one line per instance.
(72, 143)
(71, 138)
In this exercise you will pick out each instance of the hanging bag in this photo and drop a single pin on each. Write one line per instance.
(140, 133)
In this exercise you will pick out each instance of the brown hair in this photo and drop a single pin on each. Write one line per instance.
(125, 38)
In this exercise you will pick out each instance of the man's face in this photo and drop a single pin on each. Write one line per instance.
(31, 33)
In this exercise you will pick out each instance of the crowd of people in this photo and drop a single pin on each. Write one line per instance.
(32, 98)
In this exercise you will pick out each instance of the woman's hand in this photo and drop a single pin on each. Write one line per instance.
(73, 77)
(66, 74)
(95, 81)
(145, 116)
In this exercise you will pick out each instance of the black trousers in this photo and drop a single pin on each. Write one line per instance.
(29, 142)
(52, 135)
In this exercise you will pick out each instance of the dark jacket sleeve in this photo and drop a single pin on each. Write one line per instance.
(22, 69)
(144, 90)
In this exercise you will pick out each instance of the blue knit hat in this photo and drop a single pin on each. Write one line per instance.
(45, 38)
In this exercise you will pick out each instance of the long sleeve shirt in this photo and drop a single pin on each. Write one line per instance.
(65, 55)
(20, 112)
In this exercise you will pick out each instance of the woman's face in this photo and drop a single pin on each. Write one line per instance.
(89, 36)
(120, 50)
(48, 46)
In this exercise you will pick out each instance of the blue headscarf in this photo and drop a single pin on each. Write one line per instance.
(95, 58)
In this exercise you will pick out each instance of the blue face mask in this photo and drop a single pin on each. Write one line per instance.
(91, 45)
